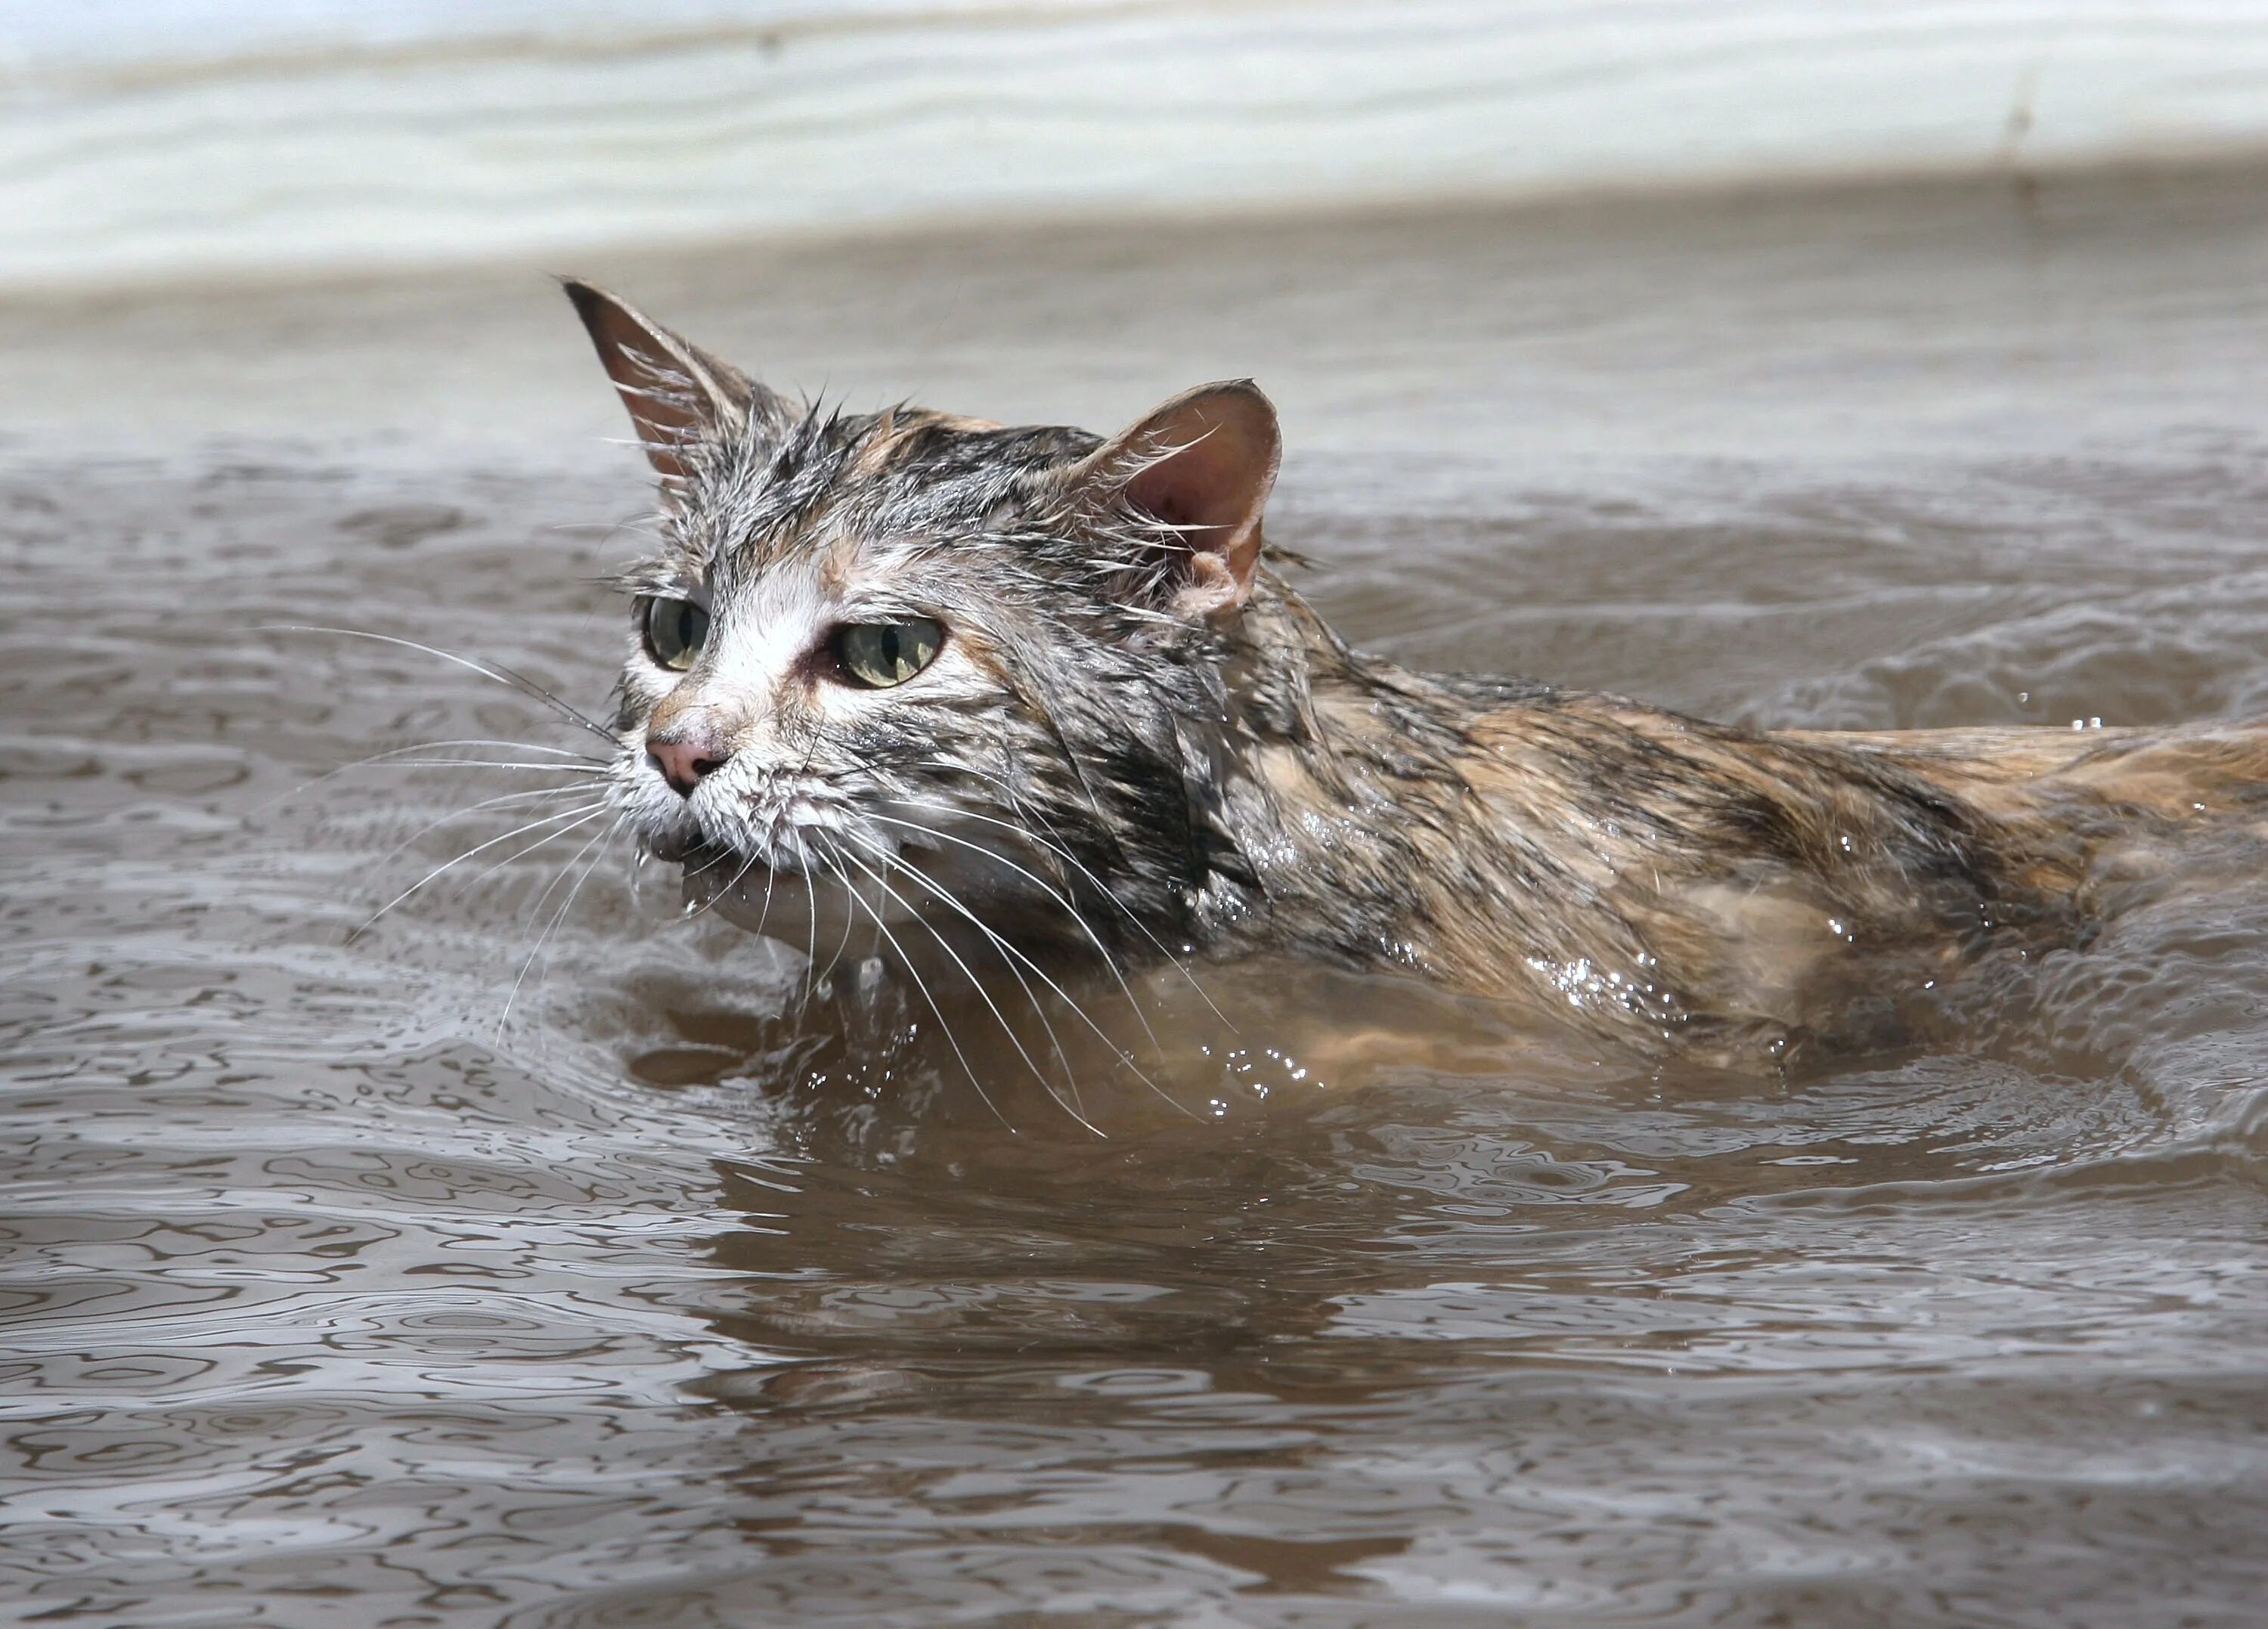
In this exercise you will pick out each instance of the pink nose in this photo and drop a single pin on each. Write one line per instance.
(686, 751)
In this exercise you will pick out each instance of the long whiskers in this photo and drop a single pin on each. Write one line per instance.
(503, 675)
(589, 811)
(584, 763)
(1009, 956)
(984, 995)
(1062, 851)
(746, 865)
(489, 763)
(1046, 887)
(841, 945)
(499, 801)
(517, 855)
(577, 774)
(1012, 956)
(811, 952)
(599, 842)
(944, 1028)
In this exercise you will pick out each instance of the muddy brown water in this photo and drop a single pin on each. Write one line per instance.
(340, 1294)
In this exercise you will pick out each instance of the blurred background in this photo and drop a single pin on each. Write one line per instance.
(1079, 168)
(145, 140)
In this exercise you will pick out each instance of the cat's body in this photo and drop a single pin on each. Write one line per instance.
(1009, 697)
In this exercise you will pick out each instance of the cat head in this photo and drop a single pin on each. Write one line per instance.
(926, 675)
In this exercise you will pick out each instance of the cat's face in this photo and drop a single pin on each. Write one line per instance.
(918, 678)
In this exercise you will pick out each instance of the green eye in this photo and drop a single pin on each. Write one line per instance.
(674, 631)
(879, 655)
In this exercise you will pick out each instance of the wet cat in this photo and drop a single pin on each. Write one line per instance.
(1007, 699)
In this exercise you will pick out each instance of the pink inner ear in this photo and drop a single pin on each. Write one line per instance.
(1199, 486)
(1215, 480)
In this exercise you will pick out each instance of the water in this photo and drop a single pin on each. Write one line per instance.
(339, 1295)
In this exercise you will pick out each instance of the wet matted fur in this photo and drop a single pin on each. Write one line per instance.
(1136, 741)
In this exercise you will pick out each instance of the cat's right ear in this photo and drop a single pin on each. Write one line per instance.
(1199, 467)
(679, 396)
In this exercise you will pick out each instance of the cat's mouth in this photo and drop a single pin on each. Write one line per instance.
(714, 864)
(712, 871)
(832, 882)
(683, 850)
(800, 906)
(896, 900)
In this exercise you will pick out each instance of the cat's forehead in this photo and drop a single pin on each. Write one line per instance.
(837, 483)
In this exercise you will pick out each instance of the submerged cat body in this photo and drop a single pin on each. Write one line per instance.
(1001, 698)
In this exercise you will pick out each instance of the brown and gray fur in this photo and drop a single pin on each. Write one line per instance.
(1139, 742)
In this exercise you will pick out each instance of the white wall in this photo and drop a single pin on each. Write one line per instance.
(142, 140)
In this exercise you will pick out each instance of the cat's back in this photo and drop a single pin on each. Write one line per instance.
(2178, 775)
(1768, 873)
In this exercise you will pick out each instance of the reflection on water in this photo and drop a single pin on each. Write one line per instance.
(336, 1301)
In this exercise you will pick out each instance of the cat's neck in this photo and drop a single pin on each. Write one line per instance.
(1348, 798)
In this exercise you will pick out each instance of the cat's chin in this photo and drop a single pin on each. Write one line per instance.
(675, 851)
(760, 910)
(736, 887)
(780, 904)
(822, 909)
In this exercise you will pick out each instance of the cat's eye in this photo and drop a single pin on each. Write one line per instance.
(674, 632)
(879, 655)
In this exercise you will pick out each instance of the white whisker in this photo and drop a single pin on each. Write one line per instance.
(488, 764)
(503, 675)
(1011, 955)
(454, 815)
(836, 961)
(587, 811)
(708, 904)
(978, 984)
(771, 879)
(517, 855)
(430, 745)
(567, 905)
(1045, 886)
(936, 1012)
(811, 954)
(1062, 851)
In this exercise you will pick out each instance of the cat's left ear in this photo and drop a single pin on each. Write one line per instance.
(1203, 464)
(679, 396)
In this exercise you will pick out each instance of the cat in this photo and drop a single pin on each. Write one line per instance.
(1013, 699)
